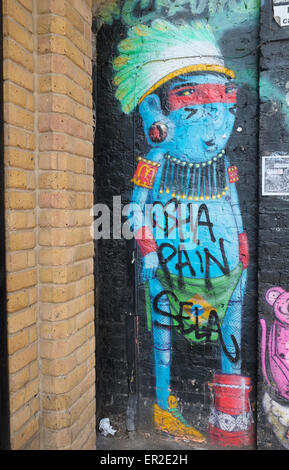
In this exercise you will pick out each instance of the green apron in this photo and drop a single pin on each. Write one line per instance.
(196, 291)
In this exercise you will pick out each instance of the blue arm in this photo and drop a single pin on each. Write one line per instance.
(138, 217)
(236, 207)
(234, 201)
(243, 241)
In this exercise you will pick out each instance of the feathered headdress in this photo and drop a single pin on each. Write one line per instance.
(152, 55)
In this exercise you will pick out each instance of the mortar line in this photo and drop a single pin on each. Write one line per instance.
(36, 172)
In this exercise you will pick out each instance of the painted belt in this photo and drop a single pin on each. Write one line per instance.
(230, 423)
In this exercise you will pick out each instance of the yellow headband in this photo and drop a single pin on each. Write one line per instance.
(188, 69)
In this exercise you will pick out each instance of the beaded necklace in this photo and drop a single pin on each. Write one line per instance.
(194, 181)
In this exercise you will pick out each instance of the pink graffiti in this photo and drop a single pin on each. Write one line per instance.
(278, 343)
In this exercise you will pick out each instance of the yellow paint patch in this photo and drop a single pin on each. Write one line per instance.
(198, 300)
(121, 93)
(120, 61)
(141, 31)
(127, 45)
(165, 421)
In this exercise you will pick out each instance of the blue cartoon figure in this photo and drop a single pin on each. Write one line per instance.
(185, 213)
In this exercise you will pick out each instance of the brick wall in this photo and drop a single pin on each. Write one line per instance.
(49, 193)
(20, 177)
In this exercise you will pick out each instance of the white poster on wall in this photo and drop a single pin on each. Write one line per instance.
(281, 12)
(275, 175)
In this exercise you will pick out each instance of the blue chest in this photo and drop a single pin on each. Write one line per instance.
(195, 231)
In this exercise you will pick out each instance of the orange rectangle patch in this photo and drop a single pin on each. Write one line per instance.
(145, 173)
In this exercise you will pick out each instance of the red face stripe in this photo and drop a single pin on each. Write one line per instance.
(201, 94)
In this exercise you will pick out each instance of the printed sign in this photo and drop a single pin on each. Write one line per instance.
(275, 175)
(281, 12)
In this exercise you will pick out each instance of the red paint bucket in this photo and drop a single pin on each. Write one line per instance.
(231, 419)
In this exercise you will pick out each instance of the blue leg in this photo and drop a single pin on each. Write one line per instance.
(162, 345)
(231, 326)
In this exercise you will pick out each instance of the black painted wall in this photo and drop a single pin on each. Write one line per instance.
(273, 241)
(114, 165)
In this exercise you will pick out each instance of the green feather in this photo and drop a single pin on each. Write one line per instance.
(145, 45)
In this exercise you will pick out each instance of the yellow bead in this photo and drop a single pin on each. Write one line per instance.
(201, 198)
(173, 194)
(207, 197)
(167, 191)
(219, 196)
(226, 188)
(213, 197)
(179, 196)
(196, 198)
(161, 191)
(184, 196)
(190, 198)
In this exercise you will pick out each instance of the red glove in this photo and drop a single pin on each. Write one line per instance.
(244, 249)
(146, 241)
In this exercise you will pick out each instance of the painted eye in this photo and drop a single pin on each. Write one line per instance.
(185, 92)
(230, 89)
(233, 110)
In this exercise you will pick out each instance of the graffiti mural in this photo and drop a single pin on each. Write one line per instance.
(276, 399)
(195, 280)
(180, 86)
